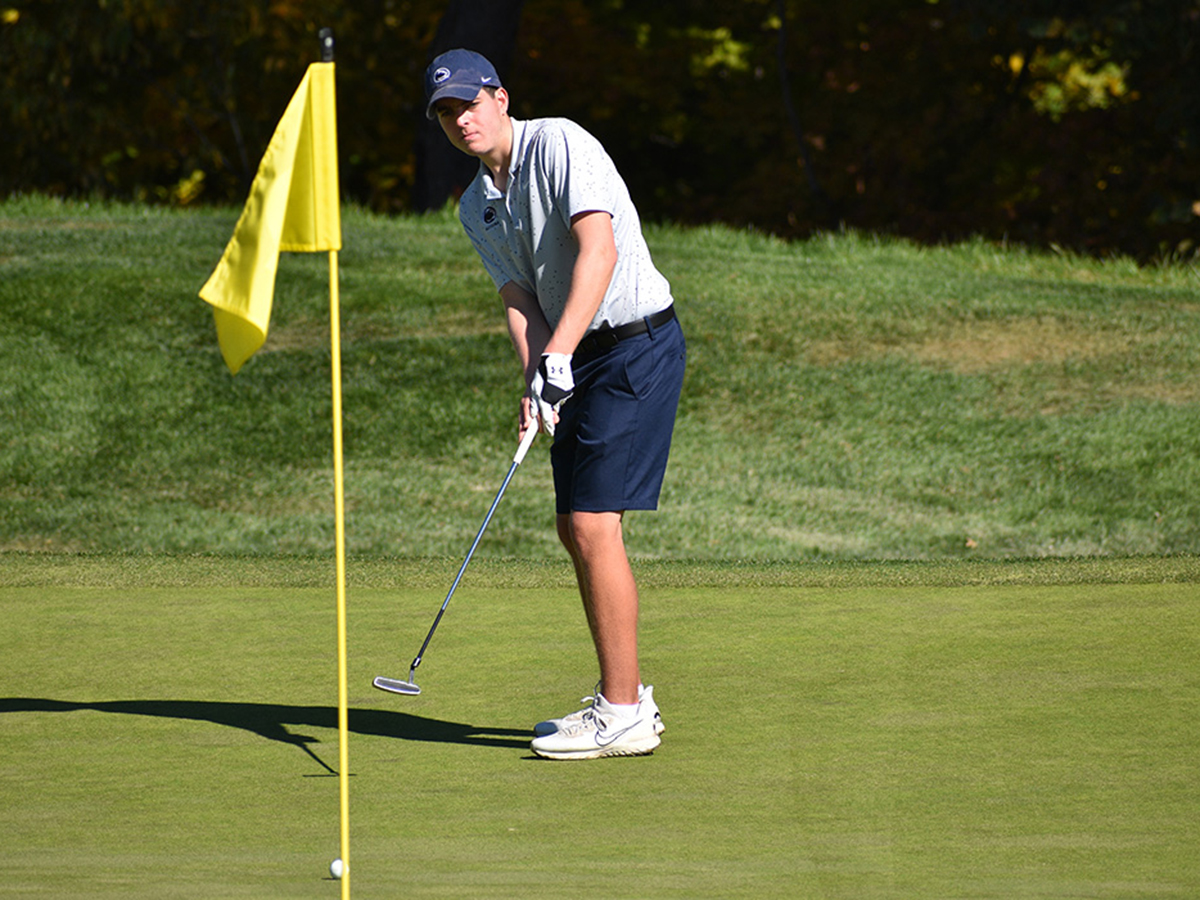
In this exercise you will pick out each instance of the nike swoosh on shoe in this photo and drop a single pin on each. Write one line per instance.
(607, 740)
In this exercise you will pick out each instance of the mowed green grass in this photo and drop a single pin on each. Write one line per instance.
(833, 731)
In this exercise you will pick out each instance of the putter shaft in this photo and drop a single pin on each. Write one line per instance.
(522, 449)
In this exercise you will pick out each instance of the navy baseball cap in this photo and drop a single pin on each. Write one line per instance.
(458, 74)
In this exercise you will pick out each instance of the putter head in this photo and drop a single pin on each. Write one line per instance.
(396, 686)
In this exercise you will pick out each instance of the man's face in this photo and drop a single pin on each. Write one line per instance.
(478, 126)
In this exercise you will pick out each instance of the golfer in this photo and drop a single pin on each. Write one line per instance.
(594, 328)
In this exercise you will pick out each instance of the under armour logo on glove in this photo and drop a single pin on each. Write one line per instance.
(552, 385)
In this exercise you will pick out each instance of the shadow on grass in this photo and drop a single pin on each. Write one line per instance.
(270, 720)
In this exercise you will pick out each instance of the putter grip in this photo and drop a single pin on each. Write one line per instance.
(526, 443)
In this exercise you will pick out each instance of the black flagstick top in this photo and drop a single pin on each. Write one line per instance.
(326, 35)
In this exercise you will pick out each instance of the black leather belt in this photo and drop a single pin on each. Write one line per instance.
(602, 340)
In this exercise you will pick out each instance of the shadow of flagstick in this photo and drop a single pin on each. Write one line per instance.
(270, 721)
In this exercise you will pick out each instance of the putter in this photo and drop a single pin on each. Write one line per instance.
(409, 686)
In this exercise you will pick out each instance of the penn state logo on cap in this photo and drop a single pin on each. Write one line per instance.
(458, 74)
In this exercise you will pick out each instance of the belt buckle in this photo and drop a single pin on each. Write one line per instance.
(596, 343)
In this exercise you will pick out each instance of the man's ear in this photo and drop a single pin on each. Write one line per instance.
(502, 99)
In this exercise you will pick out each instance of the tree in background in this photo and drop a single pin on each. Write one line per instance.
(1067, 123)
(489, 28)
(174, 102)
(1044, 122)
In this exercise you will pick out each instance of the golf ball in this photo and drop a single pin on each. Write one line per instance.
(336, 868)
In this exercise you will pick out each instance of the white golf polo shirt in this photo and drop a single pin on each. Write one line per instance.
(523, 235)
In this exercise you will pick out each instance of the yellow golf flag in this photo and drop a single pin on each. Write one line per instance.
(293, 206)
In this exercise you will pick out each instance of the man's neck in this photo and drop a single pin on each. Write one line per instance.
(500, 159)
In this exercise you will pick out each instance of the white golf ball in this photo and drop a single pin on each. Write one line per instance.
(336, 868)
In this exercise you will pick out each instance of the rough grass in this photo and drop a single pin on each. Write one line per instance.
(847, 398)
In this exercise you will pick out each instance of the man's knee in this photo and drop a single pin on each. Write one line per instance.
(590, 533)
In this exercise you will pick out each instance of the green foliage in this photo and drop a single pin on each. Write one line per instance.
(175, 103)
(1044, 124)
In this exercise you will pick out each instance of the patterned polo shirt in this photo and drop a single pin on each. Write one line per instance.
(523, 235)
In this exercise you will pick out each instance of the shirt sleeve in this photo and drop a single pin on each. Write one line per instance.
(582, 176)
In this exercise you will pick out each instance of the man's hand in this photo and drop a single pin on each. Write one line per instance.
(552, 384)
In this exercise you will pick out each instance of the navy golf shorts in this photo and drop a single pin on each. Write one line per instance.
(614, 434)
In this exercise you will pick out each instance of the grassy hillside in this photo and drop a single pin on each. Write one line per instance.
(846, 398)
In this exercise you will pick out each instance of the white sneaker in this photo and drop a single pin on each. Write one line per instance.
(601, 731)
(645, 695)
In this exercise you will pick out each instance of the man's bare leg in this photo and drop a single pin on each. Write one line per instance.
(596, 544)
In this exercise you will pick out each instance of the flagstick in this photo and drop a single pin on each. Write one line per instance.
(299, 215)
(339, 512)
(340, 529)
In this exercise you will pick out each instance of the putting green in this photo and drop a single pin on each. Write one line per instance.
(169, 733)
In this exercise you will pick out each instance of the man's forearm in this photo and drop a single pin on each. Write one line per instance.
(527, 327)
(593, 272)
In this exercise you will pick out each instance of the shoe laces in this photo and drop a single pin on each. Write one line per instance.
(583, 723)
(590, 699)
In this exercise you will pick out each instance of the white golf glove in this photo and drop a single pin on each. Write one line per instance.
(552, 384)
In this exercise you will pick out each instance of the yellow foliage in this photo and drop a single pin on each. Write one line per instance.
(1066, 82)
(188, 189)
(724, 51)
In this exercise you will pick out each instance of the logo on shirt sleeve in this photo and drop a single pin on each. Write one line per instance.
(490, 218)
